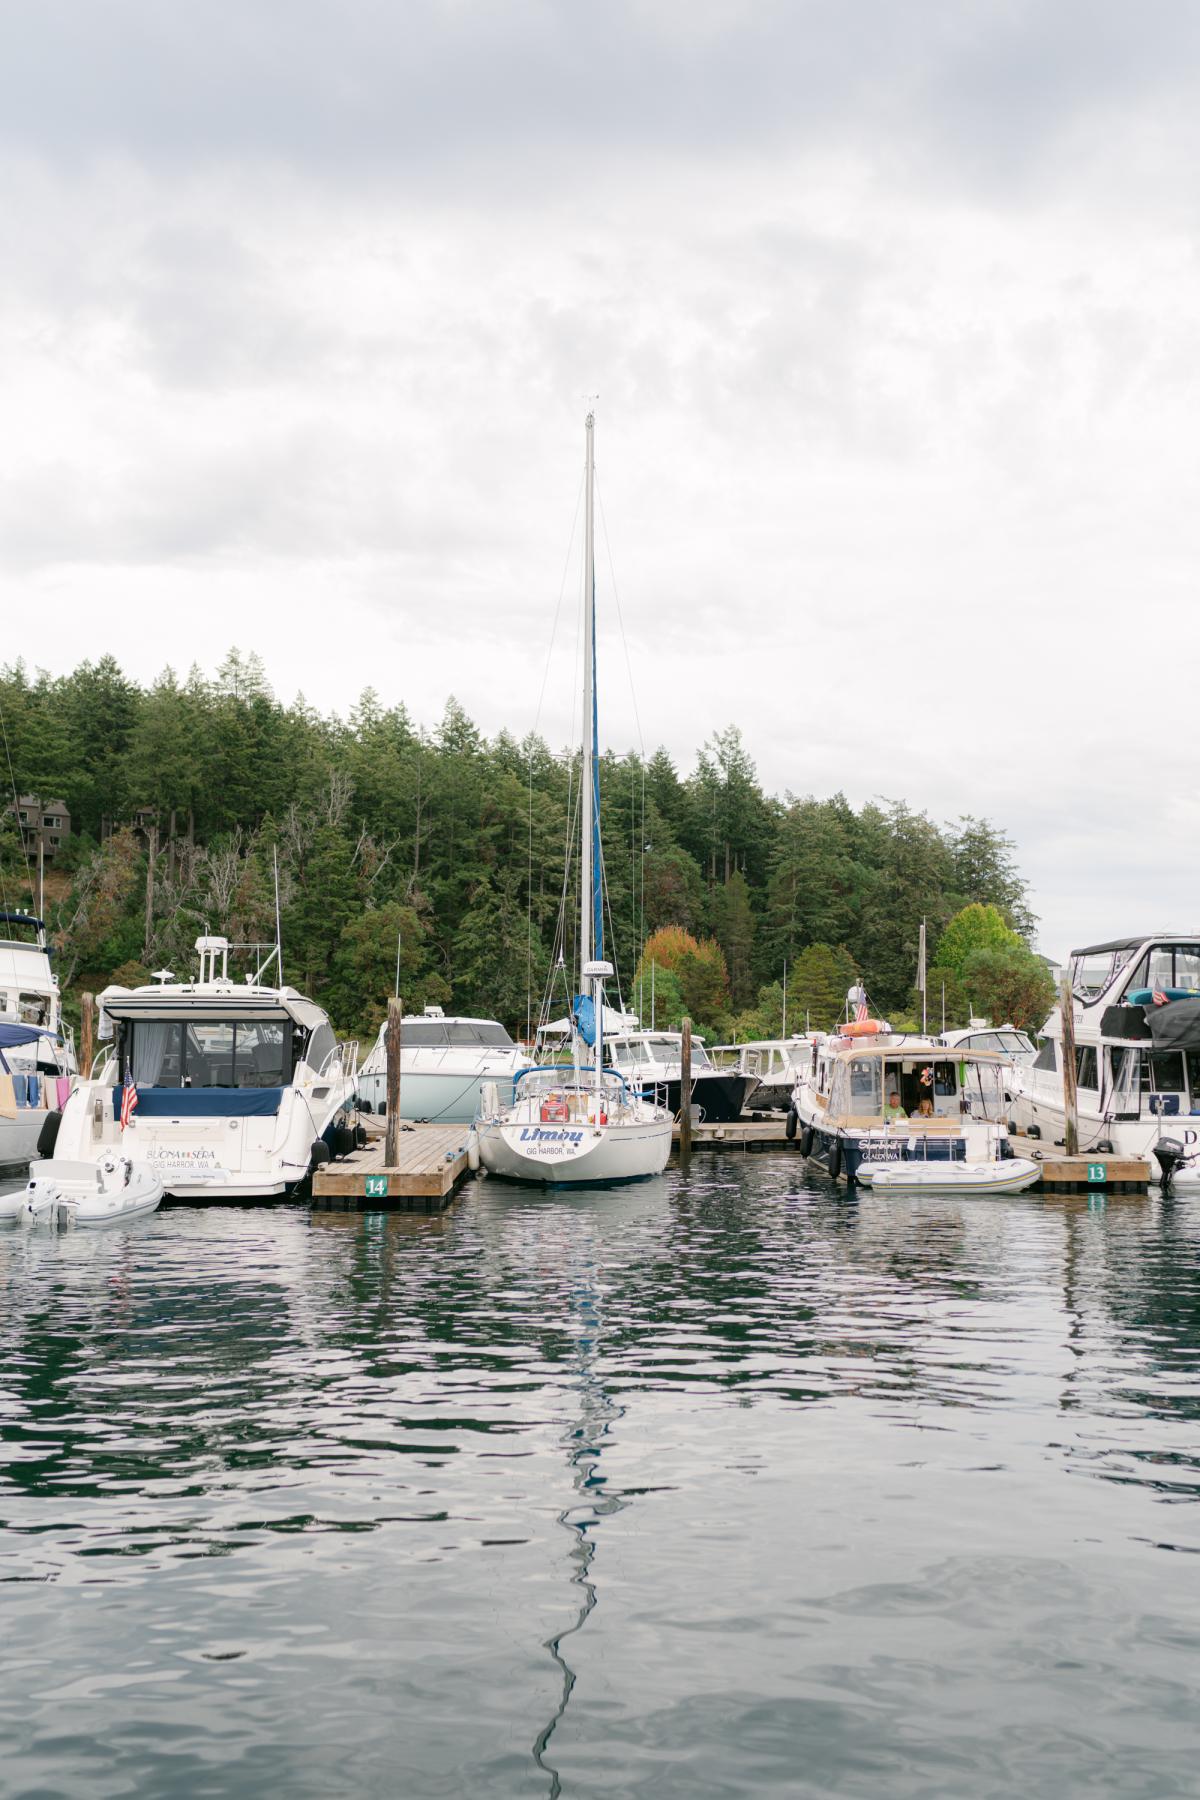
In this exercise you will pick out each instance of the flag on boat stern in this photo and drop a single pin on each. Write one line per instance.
(1160, 999)
(129, 1099)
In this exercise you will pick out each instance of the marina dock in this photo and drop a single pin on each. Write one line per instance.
(431, 1161)
(1061, 1174)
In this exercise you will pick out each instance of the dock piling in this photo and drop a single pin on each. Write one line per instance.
(395, 1013)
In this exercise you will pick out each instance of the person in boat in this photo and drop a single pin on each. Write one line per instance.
(925, 1109)
(894, 1110)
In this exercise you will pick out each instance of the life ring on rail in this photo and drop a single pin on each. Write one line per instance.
(806, 1142)
(861, 1028)
(835, 1159)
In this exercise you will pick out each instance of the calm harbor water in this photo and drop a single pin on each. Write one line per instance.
(725, 1486)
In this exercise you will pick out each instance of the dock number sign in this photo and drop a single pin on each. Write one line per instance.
(376, 1187)
(1097, 1171)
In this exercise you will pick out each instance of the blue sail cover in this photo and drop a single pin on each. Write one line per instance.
(584, 1014)
(597, 864)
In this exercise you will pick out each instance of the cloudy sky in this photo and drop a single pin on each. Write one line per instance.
(893, 312)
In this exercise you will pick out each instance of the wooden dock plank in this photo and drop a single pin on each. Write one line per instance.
(430, 1162)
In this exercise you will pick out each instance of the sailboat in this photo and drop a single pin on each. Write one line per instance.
(580, 1122)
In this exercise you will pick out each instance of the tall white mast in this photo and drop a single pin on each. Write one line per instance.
(589, 676)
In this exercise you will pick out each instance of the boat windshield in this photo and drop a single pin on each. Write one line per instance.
(442, 1034)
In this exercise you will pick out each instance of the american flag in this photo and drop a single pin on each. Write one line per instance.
(860, 1011)
(129, 1099)
(1160, 999)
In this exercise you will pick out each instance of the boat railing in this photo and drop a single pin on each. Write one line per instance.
(342, 1060)
(100, 1062)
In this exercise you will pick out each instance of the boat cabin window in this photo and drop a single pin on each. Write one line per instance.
(1091, 974)
(216, 1053)
(858, 1087)
(1013, 1043)
(436, 1034)
(1046, 1057)
(1162, 1072)
(33, 1009)
(1086, 1075)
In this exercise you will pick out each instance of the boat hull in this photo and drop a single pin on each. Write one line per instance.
(19, 1137)
(1011, 1175)
(434, 1098)
(718, 1098)
(574, 1156)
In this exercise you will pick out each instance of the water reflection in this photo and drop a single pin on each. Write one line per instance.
(723, 1485)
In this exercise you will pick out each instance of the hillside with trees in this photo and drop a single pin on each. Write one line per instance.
(186, 795)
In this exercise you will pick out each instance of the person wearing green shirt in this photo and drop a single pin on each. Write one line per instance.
(893, 1109)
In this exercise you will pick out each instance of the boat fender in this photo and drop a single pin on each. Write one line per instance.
(48, 1135)
(345, 1139)
(835, 1159)
(789, 1130)
(318, 1154)
(806, 1142)
(473, 1152)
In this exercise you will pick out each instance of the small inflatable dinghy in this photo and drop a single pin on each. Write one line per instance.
(1010, 1175)
(86, 1193)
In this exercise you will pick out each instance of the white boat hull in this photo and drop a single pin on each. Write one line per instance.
(19, 1137)
(79, 1193)
(570, 1155)
(442, 1099)
(1011, 1175)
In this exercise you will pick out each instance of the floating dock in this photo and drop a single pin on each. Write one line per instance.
(1061, 1174)
(431, 1160)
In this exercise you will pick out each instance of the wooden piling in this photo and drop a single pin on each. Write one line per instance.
(392, 1046)
(1066, 1001)
(87, 1035)
(685, 1094)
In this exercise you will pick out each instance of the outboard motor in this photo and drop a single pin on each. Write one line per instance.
(1169, 1153)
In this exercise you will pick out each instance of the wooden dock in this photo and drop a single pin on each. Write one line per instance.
(430, 1163)
(748, 1134)
(1061, 1174)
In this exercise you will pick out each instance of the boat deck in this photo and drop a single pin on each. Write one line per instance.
(431, 1160)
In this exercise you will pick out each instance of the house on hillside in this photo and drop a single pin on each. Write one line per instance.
(46, 824)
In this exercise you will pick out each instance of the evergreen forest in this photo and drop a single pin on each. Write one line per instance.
(188, 798)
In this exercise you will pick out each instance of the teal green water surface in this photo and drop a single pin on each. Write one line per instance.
(709, 1487)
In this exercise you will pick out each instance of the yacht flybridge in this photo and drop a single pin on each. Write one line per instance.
(37, 1057)
(1136, 1007)
(579, 1123)
(226, 1090)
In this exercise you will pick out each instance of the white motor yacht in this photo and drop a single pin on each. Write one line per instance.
(225, 1090)
(443, 1064)
(1136, 1013)
(774, 1065)
(652, 1064)
(36, 1054)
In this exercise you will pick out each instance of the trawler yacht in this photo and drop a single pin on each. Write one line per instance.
(227, 1090)
(1135, 1003)
(443, 1064)
(36, 1054)
(899, 1113)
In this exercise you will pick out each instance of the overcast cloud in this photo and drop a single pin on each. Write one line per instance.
(894, 317)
